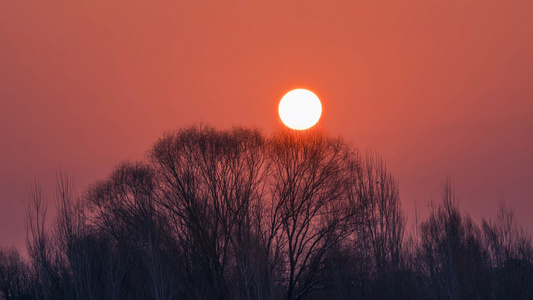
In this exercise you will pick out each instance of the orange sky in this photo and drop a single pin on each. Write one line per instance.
(437, 87)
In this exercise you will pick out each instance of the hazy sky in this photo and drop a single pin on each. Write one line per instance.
(437, 87)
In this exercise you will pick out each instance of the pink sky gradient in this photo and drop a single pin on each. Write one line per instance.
(437, 87)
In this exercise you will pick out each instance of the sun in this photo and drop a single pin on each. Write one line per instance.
(300, 109)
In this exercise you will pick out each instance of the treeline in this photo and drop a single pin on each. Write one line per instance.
(232, 214)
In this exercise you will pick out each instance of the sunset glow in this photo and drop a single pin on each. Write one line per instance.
(437, 88)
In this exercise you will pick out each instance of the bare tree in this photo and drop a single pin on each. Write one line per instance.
(37, 240)
(379, 222)
(80, 249)
(511, 253)
(14, 275)
(308, 207)
(210, 183)
(452, 251)
(69, 233)
(506, 239)
(232, 214)
(124, 207)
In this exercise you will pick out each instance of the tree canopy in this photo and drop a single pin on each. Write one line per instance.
(233, 214)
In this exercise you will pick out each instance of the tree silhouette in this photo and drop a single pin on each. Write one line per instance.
(15, 281)
(309, 209)
(211, 183)
(234, 214)
(511, 255)
(381, 223)
(452, 251)
(38, 241)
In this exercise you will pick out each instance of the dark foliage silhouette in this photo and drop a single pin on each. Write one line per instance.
(232, 214)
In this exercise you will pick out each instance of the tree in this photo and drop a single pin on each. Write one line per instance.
(124, 208)
(15, 276)
(71, 231)
(211, 182)
(510, 253)
(308, 211)
(452, 252)
(232, 214)
(89, 264)
(368, 263)
(37, 241)
(379, 223)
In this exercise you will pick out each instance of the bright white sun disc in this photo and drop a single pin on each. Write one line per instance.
(300, 109)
